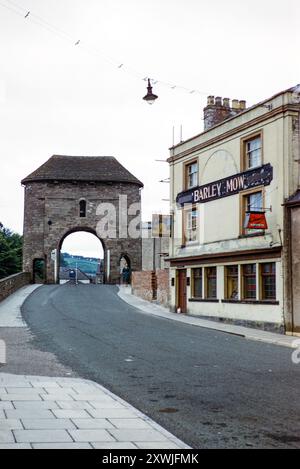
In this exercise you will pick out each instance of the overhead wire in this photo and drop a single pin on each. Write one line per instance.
(30, 16)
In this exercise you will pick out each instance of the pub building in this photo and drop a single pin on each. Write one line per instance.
(235, 194)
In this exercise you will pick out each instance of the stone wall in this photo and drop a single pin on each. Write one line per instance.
(12, 283)
(151, 285)
(52, 213)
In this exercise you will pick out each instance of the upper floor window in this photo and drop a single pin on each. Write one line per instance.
(252, 152)
(190, 225)
(251, 202)
(82, 208)
(191, 175)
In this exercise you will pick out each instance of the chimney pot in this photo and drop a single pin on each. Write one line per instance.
(235, 104)
(242, 105)
(218, 101)
(210, 101)
(226, 102)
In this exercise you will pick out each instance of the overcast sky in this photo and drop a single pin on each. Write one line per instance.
(58, 98)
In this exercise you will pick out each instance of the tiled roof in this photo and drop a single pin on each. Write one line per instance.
(82, 168)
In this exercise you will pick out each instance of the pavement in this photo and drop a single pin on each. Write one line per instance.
(42, 412)
(10, 308)
(248, 333)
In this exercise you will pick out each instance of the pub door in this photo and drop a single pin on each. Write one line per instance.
(181, 290)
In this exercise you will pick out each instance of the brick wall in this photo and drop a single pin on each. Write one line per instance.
(151, 286)
(162, 277)
(142, 284)
(12, 283)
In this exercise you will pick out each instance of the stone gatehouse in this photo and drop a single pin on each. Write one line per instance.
(63, 196)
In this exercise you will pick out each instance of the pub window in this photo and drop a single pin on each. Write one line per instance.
(268, 281)
(191, 175)
(249, 282)
(82, 208)
(190, 224)
(232, 282)
(197, 282)
(252, 202)
(211, 282)
(253, 152)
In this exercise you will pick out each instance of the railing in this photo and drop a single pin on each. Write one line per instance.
(9, 285)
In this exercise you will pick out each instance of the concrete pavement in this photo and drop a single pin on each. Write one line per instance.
(65, 413)
(10, 308)
(248, 333)
(40, 412)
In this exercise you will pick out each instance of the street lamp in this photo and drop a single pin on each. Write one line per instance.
(150, 97)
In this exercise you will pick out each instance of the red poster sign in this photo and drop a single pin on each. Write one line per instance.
(255, 221)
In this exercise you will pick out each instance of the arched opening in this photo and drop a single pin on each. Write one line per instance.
(39, 271)
(82, 252)
(125, 270)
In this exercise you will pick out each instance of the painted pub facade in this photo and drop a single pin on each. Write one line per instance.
(234, 193)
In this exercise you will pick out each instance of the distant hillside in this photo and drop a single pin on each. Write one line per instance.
(86, 264)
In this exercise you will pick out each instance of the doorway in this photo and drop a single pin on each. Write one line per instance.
(39, 271)
(181, 290)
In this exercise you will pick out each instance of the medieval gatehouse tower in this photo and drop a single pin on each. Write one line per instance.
(75, 193)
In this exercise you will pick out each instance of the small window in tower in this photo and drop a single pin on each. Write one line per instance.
(82, 208)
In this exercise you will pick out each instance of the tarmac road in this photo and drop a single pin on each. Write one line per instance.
(210, 389)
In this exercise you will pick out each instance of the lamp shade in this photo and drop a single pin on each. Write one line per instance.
(150, 97)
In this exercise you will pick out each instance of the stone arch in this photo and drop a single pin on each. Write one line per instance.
(78, 229)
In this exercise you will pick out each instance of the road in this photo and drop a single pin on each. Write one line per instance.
(211, 389)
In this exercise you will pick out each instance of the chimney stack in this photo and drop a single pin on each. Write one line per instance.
(218, 110)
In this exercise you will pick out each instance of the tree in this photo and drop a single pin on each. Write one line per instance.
(10, 252)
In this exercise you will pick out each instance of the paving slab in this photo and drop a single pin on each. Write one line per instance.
(42, 436)
(46, 424)
(104, 421)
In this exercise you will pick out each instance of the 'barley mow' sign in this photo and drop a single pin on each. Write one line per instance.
(231, 185)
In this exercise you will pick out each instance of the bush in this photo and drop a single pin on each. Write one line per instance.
(10, 252)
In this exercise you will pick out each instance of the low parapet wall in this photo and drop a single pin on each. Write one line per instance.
(9, 285)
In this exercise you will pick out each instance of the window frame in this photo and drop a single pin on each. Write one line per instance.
(193, 282)
(244, 141)
(186, 174)
(82, 214)
(226, 268)
(253, 275)
(243, 209)
(185, 214)
(206, 280)
(261, 281)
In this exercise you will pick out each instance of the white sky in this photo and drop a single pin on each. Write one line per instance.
(56, 97)
(84, 244)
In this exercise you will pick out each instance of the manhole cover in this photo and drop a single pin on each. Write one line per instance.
(169, 410)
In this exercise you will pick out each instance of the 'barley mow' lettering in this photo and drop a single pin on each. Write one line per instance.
(228, 186)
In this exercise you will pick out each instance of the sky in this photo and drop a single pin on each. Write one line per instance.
(60, 98)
